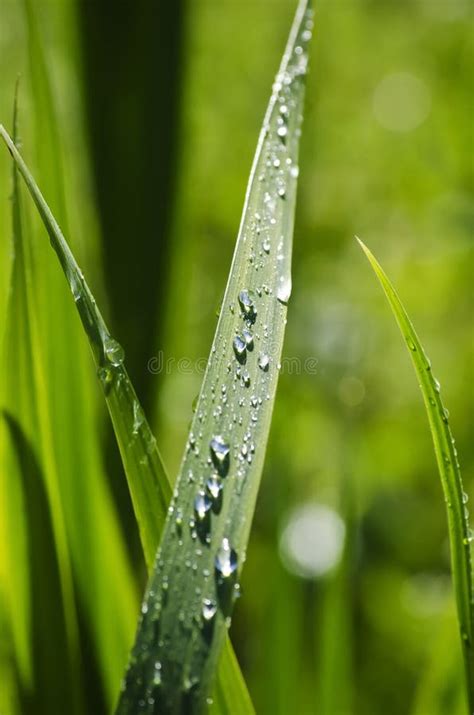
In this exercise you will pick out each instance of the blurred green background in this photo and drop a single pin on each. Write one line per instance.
(158, 107)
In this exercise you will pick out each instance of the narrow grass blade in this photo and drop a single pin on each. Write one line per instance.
(148, 482)
(105, 584)
(24, 395)
(136, 442)
(460, 534)
(191, 594)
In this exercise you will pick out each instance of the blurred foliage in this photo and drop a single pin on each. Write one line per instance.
(163, 107)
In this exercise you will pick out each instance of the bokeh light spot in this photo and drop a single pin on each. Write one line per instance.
(312, 540)
(401, 102)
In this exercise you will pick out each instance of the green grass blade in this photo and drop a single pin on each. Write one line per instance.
(446, 456)
(148, 482)
(107, 593)
(24, 396)
(191, 593)
(136, 442)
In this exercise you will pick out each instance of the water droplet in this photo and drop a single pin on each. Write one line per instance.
(138, 417)
(113, 352)
(266, 245)
(246, 379)
(202, 505)
(282, 132)
(214, 486)
(240, 348)
(294, 171)
(411, 344)
(220, 454)
(209, 609)
(465, 498)
(263, 362)
(248, 337)
(106, 377)
(247, 305)
(226, 559)
(284, 289)
(157, 673)
(179, 521)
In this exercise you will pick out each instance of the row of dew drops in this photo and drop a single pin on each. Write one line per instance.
(436, 404)
(209, 500)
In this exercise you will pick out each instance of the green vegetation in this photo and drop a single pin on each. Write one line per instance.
(138, 126)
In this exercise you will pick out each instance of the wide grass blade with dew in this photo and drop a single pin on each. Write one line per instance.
(191, 594)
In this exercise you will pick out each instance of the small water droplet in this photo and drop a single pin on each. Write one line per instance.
(246, 379)
(157, 673)
(226, 559)
(138, 417)
(282, 132)
(202, 505)
(113, 352)
(266, 245)
(106, 378)
(263, 362)
(411, 344)
(209, 609)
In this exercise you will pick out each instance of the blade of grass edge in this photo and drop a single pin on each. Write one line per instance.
(460, 535)
(147, 478)
(190, 596)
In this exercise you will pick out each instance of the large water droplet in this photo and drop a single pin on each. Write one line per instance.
(263, 362)
(248, 337)
(226, 559)
(202, 505)
(240, 348)
(247, 305)
(113, 352)
(214, 486)
(220, 454)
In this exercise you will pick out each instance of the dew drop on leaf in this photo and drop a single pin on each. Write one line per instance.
(263, 362)
(202, 505)
(226, 559)
(240, 348)
(220, 449)
(114, 352)
(209, 609)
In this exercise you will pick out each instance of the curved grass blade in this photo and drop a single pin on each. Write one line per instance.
(460, 534)
(192, 591)
(148, 482)
(24, 395)
(106, 588)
